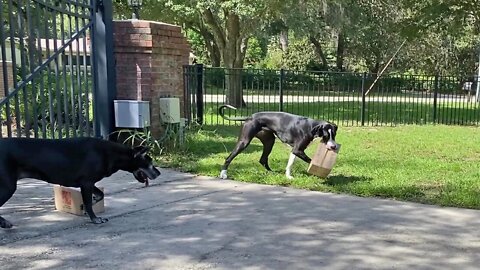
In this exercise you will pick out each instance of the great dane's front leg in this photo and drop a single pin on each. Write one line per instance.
(288, 172)
(301, 154)
(87, 192)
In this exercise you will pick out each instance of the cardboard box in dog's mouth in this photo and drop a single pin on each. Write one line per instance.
(323, 161)
(70, 200)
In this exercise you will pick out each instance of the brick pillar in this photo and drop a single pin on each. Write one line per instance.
(149, 63)
(9, 77)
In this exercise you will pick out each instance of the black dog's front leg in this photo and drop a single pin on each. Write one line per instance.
(97, 195)
(6, 192)
(87, 192)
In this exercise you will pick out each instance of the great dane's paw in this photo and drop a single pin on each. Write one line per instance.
(223, 174)
(99, 220)
(289, 176)
(5, 224)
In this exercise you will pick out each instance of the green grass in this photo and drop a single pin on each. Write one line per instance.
(433, 164)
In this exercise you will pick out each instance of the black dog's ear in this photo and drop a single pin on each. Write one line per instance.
(140, 151)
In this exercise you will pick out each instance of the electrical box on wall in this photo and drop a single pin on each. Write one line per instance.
(132, 113)
(170, 110)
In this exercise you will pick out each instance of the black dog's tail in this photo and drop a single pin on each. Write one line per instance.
(220, 111)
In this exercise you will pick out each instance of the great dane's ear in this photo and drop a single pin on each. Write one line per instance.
(318, 130)
(140, 151)
(335, 127)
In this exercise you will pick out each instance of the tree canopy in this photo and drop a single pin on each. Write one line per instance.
(356, 35)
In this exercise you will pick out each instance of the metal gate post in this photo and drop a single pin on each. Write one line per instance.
(435, 98)
(280, 89)
(199, 94)
(363, 106)
(103, 61)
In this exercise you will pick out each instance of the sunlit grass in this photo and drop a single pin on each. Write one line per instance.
(434, 164)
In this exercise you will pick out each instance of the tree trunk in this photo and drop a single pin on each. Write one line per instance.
(319, 51)
(233, 82)
(375, 68)
(340, 51)
(233, 61)
(212, 47)
(232, 46)
(284, 40)
(215, 57)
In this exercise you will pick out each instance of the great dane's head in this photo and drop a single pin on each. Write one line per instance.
(143, 168)
(327, 131)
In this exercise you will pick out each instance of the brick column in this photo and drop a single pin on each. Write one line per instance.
(9, 77)
(149, 63)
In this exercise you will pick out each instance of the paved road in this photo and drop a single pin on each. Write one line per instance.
(187, 222)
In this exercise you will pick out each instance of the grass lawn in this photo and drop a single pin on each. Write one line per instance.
(434, 164)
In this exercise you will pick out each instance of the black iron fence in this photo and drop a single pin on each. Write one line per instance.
(55, 68)
(349, 99)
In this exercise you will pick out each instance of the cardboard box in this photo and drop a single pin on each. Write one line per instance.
(70, 200)
(323, 161)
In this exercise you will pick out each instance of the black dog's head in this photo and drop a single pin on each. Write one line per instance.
(143, 168)
(327, 131)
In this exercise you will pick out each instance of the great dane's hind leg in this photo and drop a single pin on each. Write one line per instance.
(268, 140)
(5, 194)
(87, 192)
(249, 130)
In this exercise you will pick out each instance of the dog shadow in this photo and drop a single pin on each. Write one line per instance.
(340, 180)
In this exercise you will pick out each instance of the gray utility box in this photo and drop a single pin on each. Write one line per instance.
(132, 113)
(170, 110)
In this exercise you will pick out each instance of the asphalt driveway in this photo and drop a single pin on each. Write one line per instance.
(188, 222)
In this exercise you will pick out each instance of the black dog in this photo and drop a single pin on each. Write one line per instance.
(79, 162)
(294, 130)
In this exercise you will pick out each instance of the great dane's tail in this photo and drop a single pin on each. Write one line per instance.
(238, 118)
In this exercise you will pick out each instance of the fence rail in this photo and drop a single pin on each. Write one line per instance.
(335, 96)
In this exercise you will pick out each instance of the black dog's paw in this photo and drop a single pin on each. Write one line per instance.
(99, 220)
(5, 224)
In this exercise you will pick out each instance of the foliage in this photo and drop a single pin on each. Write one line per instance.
(256, 51)
(133, 137)
(442, 36)
(300, 56)
(40, 105)
(169, 140)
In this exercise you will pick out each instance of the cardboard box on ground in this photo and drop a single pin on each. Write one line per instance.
(70, 200)
(323, 161)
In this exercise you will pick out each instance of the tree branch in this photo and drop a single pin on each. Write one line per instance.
(217, 30)
(318, 50)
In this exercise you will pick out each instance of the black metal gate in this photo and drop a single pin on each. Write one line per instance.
(57, 69)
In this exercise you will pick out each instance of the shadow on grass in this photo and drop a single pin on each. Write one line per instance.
(339, 180)
(210, 141)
